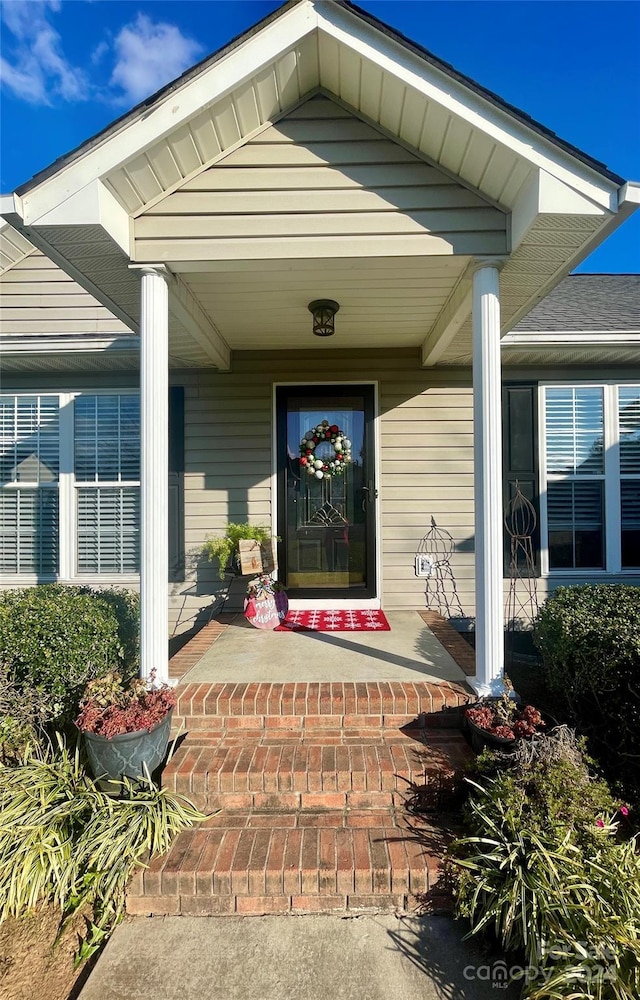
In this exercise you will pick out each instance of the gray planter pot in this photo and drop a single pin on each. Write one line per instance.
(130, 754)
(481, 739)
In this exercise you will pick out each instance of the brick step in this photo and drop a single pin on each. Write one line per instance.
(257, 867)
(363, 725)
(328, 772)
(309, 781)
(306, 700)
(359, 726)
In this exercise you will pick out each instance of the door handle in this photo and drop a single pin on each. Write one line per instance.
(370, 493)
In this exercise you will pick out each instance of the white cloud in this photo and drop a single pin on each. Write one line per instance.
(145, 55)
(37, 70)
(22, 16)
(100, 52)
(150, 55)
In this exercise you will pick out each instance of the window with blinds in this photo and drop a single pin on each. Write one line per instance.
(629, 431)
(574, 434)
(107, 481)
(29, 476)
(591, 484)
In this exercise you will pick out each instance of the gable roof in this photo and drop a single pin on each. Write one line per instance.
(557, 203)
(411, 46)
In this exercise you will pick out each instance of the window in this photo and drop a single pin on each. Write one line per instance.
(29, 475)
(69, 485)
(107, 481)
(591, 477)
(629, 424)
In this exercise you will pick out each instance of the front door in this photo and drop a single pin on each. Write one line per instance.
(326, 491)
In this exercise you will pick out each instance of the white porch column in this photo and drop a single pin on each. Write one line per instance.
(487, 451)
(154, 407)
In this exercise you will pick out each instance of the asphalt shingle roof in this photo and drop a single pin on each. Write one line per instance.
(588, 302)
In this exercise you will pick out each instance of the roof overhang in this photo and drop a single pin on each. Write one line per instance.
(560, 203)
(564, 347)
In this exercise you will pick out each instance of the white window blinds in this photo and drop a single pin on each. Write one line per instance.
(108, 530)
(590, 487)
(629, 425)
(574, 433)
(29, 473)
(575, 430)
(107, 477)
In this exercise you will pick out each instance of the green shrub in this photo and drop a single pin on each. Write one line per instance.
(547, 874)
(63, 839)
(23, 719)
(589, 637)
(54, 639)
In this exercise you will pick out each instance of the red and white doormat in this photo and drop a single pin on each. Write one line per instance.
(334, 621)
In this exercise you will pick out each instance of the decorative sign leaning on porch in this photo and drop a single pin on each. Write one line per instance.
(266, 603)
(256, 557)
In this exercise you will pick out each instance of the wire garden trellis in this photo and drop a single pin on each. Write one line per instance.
(520, 522)
(433, 562)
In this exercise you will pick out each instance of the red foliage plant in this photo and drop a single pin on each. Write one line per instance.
(109, 707)
(506, 719)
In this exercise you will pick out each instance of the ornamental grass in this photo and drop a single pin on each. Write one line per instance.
(64, 840)
(550, 871)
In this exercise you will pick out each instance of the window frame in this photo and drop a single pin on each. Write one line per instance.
(53, 485)
(611, 479)
(68, 495)
(97, 484)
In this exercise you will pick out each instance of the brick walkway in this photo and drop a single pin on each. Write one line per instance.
(194, 649)
(309, 781)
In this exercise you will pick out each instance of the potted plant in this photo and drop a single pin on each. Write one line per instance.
(498, 723)
(225, 549)
(125, 726)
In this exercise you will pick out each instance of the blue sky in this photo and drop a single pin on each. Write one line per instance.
(69, 67)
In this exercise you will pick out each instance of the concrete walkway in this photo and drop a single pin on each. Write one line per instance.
(294, 958)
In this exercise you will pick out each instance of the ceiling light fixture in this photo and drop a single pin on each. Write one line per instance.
(324, 311)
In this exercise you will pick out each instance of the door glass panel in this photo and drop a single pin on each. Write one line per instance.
(325, 496)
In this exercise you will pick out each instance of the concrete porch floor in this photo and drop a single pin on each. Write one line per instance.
(237, 652)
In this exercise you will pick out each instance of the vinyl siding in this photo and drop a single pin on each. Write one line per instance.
(38, 299)
(426, 461)
(317, 181)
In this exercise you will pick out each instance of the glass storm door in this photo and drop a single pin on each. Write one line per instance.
(326, 491)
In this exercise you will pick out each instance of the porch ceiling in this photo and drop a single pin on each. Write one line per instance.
(384, 302)
(559, 202)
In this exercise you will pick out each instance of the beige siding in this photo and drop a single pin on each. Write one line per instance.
(319, 178)
(425, 419)
(38, 299)
(425, 462)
